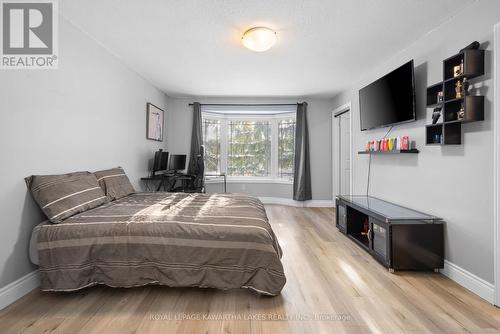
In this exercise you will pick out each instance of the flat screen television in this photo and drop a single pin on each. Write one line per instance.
(390, 100)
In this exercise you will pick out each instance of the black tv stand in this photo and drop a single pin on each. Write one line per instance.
(397, 237)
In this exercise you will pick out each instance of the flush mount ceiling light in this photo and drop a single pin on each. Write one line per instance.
(259, 39)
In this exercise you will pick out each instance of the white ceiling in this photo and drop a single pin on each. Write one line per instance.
(192, 47)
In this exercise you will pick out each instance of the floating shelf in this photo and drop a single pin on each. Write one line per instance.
(412, 151)
(432, 94)
(473, 61)
(462, 121)
(438, 104)
(449, 129)
(462, 76)
(454, 100)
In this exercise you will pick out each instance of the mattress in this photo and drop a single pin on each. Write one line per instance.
(221, 241)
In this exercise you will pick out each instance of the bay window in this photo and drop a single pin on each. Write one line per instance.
(250, 146)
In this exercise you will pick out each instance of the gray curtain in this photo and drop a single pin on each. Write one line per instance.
(196, 139)
(302, 170)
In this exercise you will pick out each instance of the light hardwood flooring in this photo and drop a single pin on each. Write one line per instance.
(333, 287)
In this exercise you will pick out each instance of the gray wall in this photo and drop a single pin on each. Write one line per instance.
(453, 182)
(89, 114)
(179, 139)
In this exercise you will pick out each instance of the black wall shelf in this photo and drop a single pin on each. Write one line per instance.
(411, 151)
(449, 129)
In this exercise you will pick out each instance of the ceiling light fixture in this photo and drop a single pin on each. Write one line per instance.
(259, 39)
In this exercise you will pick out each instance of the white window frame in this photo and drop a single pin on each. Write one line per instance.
(274, 119)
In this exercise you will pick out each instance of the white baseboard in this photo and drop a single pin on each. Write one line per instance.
(469, 281)
(15, 290)
(305, 204)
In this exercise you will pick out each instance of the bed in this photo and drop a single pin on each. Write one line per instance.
(220, 241)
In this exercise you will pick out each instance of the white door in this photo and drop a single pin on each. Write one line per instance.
(344, 158)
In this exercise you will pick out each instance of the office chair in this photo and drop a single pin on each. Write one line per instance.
(197, 184)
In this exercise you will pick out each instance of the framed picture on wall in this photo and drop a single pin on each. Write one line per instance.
(154, 122)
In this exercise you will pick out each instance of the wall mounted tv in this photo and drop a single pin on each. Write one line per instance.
(389, 100)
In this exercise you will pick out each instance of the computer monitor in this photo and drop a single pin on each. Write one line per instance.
(160, 163)
(176, 162)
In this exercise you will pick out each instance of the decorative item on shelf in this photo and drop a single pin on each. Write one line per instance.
(437, 139)
(405, 143)
(436, 114)
(461, 113)
(440, 97)
(472, 46)
(366, 227)
(465, 88)
(370, 146)
(458, 70)
(388, 144)
(458, 89)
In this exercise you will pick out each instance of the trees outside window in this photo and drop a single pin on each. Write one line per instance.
(249, 152)
(211, 141)
(286, 147)
(250, 146)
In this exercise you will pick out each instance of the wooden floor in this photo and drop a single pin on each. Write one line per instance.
(333, 287)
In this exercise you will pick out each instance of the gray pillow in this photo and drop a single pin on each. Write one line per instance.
(115, 183)
(62, 196)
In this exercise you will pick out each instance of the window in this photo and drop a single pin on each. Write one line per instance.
(286, 147)
(249, 151)
(249, 145)
(211, 141)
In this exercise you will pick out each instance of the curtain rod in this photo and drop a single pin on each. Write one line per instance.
(246, 105)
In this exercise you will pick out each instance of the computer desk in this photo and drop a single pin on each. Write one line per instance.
(164, 181)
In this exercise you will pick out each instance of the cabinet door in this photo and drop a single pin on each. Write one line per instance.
(380, 240)
(341, 217)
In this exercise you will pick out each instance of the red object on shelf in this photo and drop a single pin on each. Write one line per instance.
(366, 226)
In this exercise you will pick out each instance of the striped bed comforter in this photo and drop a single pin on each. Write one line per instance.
(180, 240)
